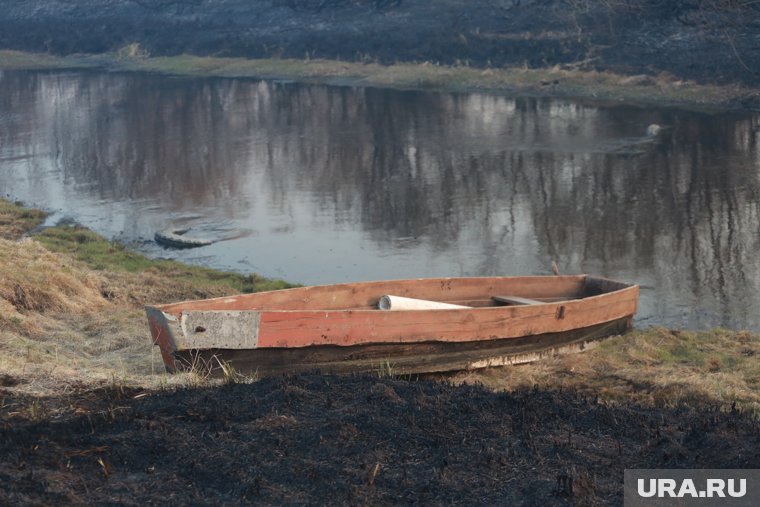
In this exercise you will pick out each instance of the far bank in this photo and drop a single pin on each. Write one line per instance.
(662, 90)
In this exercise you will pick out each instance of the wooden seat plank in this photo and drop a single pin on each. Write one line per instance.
(516, 300)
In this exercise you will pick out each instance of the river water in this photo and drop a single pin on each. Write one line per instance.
(320, 184)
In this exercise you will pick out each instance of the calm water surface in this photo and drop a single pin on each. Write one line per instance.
(321, 184)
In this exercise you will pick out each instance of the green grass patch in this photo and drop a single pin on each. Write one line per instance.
(16, 220)
(103, 255)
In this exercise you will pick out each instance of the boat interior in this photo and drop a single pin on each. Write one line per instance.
(477, 292)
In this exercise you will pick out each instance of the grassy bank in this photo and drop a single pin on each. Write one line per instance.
(71, 304)
(71, 314)
(654, 367)
(662, 89)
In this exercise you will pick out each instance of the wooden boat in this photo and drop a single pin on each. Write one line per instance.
(339, 328)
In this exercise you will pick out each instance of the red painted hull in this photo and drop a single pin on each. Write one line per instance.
(345, 315)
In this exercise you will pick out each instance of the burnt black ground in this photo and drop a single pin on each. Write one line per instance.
(634, 36)
(348, 441)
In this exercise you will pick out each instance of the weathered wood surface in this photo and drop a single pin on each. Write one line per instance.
(355, 327)
(568, 303)
(427, 357)
(365, 295)
(516, 300)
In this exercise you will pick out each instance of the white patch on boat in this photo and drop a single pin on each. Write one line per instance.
(220, 329)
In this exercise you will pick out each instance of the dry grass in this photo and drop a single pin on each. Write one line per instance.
(559, 81)
(10, 59)
(71, 306)
(56, 325)
(565, 81)
(654, 366)
(16, 220)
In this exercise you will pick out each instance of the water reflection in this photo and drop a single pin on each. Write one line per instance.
(322, 184)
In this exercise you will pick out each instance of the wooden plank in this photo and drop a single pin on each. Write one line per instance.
(516, 300)
(346, 328)
(405, 358)
(319, 327)
(163, 326)
(219, 329)
(366, 294)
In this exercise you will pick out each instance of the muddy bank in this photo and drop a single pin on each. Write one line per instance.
(351, 440)
(692, 40)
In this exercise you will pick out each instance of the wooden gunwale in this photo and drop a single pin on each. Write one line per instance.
(354, 327)
(364, 295)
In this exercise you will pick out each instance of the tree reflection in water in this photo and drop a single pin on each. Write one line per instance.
(346, 183)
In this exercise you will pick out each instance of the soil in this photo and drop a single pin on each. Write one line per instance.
(633, 37)
(349, 440)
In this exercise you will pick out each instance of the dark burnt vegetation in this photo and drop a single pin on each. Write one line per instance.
(736, 13)
(320, 5)
(723, 17)
(624, 36)
(675, 27)
(351, 440)
(179, 6)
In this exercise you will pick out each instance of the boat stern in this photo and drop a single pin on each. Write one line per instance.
(163, 327)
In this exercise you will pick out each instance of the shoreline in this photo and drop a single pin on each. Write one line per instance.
(71, 312)
(590, 86)
(72, 306)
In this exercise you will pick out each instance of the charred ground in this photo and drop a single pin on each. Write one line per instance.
(713, 41)
(350, 440)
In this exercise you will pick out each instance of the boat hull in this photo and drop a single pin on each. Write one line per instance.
(338, 328)
(391, 359)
